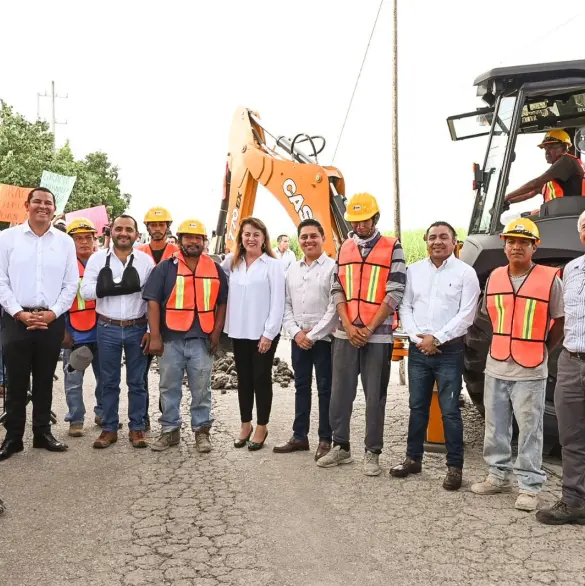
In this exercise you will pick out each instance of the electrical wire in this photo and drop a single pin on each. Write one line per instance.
(357, 80)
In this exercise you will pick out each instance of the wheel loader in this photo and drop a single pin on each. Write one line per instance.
(518, 105)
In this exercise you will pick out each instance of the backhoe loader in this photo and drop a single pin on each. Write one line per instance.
(518, 102)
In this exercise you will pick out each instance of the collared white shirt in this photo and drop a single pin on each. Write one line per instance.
(574, 301)
(37, 271)
(308, 304)
(439, 301)
(120, 307)
(286, 258)
(255, 298)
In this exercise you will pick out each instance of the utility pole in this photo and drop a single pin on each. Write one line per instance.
(53, 97)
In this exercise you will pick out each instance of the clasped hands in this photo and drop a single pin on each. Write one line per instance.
(427, 344)
(37, 320)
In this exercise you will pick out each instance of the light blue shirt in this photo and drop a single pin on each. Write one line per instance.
(574, 301)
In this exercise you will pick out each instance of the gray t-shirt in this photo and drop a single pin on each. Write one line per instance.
(510, 369)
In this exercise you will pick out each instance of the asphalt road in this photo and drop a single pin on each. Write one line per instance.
(123, 516)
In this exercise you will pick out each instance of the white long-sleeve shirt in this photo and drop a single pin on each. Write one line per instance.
(120, 307)
(286, 258)
(308, 303)
(255, 298)
(439, 301)
(37, 271)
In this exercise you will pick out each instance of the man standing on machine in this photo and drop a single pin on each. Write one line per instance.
(565, 177)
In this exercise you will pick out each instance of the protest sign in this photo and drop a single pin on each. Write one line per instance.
(97, 215)
(12, 200)
(60, 185)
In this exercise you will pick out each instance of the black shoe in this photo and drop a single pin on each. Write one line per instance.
(453, 479)
(9, 447)
(253, 446)
(560, 514)
(240, 443)
(407, 467)
(48, 442)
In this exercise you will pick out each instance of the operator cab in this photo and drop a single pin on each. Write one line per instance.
(519, 105)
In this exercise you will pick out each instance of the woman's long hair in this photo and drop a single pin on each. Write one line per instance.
(240, 251)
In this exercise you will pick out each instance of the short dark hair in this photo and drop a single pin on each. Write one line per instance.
(44, 190)
(126, 217)
(446, 224)
(311, 222)
(281, 237)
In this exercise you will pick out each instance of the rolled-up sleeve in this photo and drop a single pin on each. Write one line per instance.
(273, 324)
(70, 282)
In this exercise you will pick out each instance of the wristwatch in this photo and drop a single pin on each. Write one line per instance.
(436, 342)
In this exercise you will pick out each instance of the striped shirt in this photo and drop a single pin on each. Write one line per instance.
(574, 300)
(394, 289)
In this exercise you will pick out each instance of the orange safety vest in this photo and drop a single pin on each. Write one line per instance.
(170, 250)
(193, 294)
(553, 189)
(364, 279)
(520, 320)
(82, 315)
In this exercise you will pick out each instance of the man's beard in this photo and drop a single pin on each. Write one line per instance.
(195, 254)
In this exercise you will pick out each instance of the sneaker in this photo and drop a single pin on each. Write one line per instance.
(335, 457)
(371, 464)
(202, 442)
(526, 501)
(138, 439)
(488, 487)
(76, 430)
(560, 514)
(166, 440)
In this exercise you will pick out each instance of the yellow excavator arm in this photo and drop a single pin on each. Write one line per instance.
(304, 188)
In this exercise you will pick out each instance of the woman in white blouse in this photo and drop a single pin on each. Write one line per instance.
(253, 321)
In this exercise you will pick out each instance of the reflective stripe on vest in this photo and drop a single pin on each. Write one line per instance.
(193, 294)
(82, 315)
(170, 250)
(364, 280)
(553, 190)
(520, 320)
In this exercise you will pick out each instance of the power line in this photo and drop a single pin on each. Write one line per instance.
(357, 80)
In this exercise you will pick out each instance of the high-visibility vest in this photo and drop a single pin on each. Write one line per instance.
(364, 279)
(170, 250)
(520, 320)
(193, 294)
(553, 189)
(82, 315)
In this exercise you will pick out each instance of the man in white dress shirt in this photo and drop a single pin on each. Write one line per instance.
(438, 307)
(283, 251)
(116, 278)
(309, 317)
(38, 282)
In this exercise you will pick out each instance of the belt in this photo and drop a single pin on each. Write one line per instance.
(139, 321)
(578, 355)
(458, 340)
(33, 309)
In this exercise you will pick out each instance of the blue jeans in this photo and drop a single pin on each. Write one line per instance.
(193, 356)
(446, 369)
(111, 341)
(303, 361)
(525, 401)
(74, 387)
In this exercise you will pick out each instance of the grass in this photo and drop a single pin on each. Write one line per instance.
(412, 242)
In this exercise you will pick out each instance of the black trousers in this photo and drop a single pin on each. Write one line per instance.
(254, 379)
(30, 352)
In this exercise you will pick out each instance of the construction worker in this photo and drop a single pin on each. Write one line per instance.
(565, 177)
(81, 330)
(158, 223)
(370, 277)
(187, 298)
(520, 300)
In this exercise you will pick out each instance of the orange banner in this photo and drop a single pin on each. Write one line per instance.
(12, 201)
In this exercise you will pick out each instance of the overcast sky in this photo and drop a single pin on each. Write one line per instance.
(155, 85)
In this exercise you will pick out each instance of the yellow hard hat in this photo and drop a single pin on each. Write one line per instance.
(556, 137)
(192, 227)
(522, 228)
(80, 226)
(157, 215)
(362, 206)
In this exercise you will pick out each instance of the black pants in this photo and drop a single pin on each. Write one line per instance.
(254, 378)
(30, 352)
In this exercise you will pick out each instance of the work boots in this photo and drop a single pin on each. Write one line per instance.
(202, 442)
(166, 440)
(106, 439)
(560, 514)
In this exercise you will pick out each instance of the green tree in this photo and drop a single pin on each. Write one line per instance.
(26, 150)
